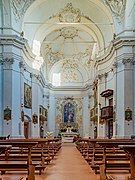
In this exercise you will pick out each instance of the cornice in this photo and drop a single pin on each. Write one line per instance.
(19, 42)
(115, 45)
(123, 41)
(107, 56)
(68, 88)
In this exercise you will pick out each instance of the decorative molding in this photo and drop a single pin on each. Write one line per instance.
(20, 6)
(69, 32)
(69, 63)
(115, 65)
(7, 61)
(38, 77)
(100, 76)
(128, 60)
(106, 74)
(68, 71)
(70, 14)
(117, 7)
(52, 58)
(22, 65)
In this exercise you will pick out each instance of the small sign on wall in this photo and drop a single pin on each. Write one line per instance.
(128, 114)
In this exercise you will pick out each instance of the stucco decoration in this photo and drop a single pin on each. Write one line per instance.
(68, 32)
(85, 58)
(70, 14)
(50, 56)
(53, 57)
(7, 61)
(20, 7)
(117, 7)
(68, 71)
(69, 63)
(77, 102)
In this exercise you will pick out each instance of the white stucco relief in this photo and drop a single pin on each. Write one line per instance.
(20, 7)
(117, 7)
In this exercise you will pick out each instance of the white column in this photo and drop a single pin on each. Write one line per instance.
(86, 117)
(124, 90)
(51, 115)
(101, 87)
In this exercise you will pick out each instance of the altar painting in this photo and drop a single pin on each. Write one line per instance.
(69, 112)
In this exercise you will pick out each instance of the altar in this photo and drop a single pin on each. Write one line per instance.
(68, 131)
(68, 136)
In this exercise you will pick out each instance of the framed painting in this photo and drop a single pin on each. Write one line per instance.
(7, 113)
(128, 114)
(27, 96)
(69, 113)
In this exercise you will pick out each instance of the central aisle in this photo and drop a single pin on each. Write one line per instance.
(69, 165)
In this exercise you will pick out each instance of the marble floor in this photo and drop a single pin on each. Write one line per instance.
(67, 165)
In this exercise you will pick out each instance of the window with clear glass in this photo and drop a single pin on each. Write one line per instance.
(56, 79)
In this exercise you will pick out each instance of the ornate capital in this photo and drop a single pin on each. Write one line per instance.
(22, 65)
(38, 77)
(128, 60)
(7, 61)
(115, 65)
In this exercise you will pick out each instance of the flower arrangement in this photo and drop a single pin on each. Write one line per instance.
(49, 134)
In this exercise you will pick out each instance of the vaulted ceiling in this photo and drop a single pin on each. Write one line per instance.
(69, 35)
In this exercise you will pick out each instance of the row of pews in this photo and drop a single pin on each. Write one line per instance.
(28, 155)
(104, 155)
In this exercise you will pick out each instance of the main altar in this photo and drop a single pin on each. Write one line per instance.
(68, 131)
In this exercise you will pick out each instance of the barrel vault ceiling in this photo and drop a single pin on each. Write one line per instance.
(68, 36)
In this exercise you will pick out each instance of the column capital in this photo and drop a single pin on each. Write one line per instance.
(22, 65)
(128, 60)
(7, 61)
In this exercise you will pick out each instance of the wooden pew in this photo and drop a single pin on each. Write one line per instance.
(97, 159)
(12, 165)
(112, 143)
(130, 149)
(40, 154)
